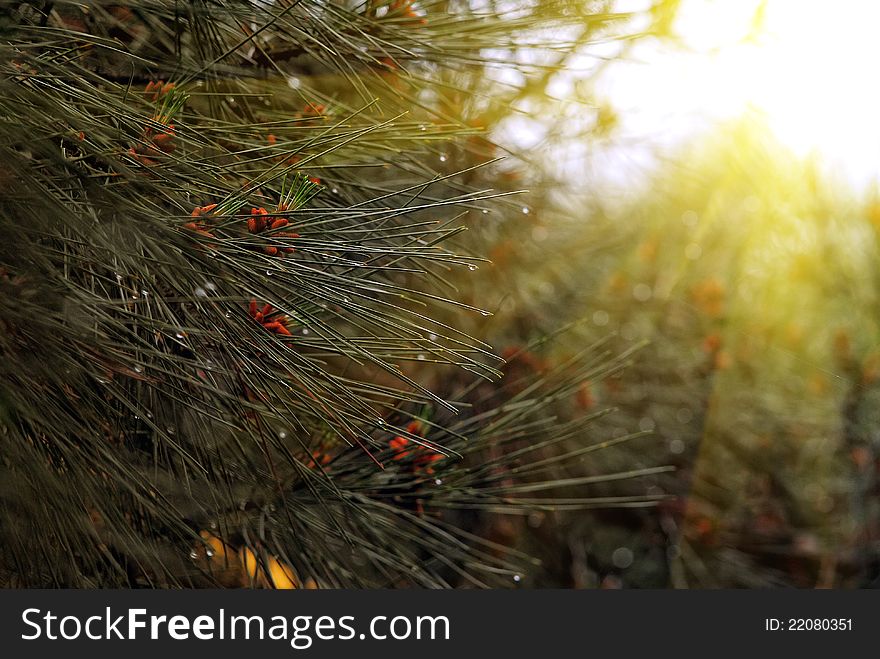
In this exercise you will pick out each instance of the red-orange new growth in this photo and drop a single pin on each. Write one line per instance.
(269, 318)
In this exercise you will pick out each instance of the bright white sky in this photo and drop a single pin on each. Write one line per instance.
(810, 67)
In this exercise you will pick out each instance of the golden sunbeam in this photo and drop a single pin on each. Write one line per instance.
(803, 66)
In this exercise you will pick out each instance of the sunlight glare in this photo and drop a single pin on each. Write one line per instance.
(810, 69)
(807, 67)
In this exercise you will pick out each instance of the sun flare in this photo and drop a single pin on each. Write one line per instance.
(805, 66)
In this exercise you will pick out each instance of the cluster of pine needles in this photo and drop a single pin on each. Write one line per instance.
(225, 256)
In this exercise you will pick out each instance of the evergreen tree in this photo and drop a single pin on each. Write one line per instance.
(238, 344)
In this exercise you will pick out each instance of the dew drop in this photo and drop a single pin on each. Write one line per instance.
(201, 292)
(525, 210)
(642, 292)
(421, 358)
(334, 191)
(229, 314)
(282, 434)
(194, 554)
(209, 552)
(539, 234)
(517, 578)
(305, 332)
(433, 337)
(622, 557)
(443, 158)
(684, 415)
(438, 481)
(422, 128)
(629, 331)
(485, 212)
(268, 273)
(170, 430)
(145, 293)
(138, 368)
(211, 286)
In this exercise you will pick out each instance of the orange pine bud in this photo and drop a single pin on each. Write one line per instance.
(584, 396)
(281, 576)
(398, 445)
(712, 343)
(250, 563)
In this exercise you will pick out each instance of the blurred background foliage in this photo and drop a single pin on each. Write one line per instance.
(753, 277)
(746, 265)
